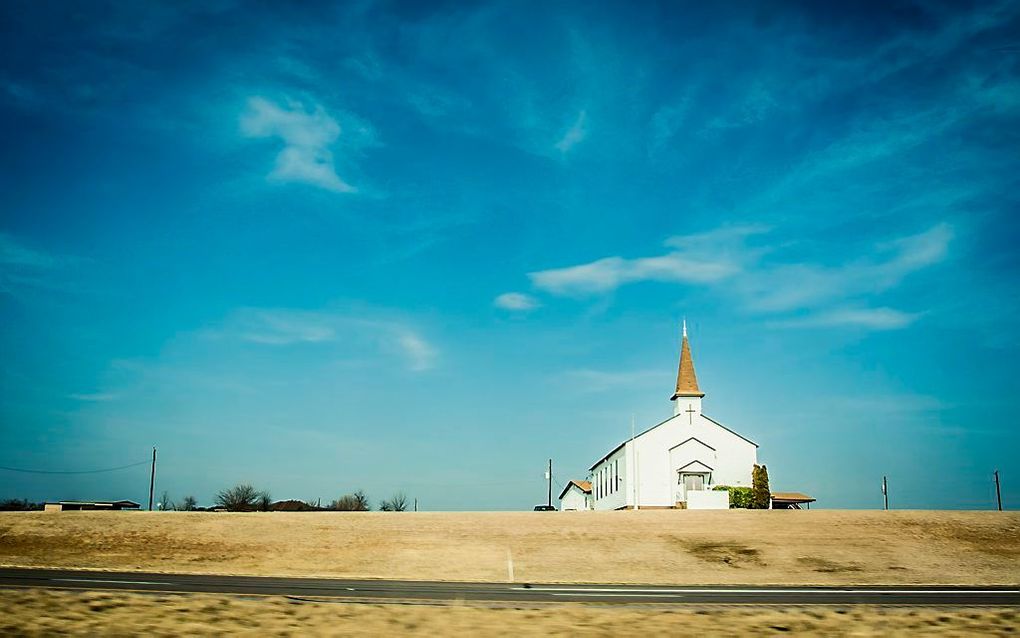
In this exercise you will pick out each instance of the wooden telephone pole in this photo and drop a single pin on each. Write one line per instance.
(548, 475)
(152, 477)
(998, 494)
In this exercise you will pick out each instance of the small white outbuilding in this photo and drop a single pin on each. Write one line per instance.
(576, 496)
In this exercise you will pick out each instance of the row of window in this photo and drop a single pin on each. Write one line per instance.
(607, 480)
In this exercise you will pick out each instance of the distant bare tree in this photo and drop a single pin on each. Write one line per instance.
(396, 504)
(263, 501)
(15, 505)
(188, 504)
(165, 504)
(240, 498)
(356, 502)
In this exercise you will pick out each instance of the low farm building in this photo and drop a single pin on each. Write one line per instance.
(66, 506)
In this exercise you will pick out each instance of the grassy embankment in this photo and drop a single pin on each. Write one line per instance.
(668, 547)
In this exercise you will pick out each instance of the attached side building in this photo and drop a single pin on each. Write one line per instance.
(576, 496)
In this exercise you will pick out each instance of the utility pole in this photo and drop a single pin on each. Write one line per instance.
(998, 494)
(152, 477)
(416, 503)
(548, 475)
(885, 492)
(633, 470)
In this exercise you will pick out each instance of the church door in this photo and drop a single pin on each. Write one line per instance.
(694, 482)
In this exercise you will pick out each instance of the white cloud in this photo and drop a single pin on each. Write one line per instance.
(698, 259)
(94, 396)
(348, 330)
(575, 135)
(869, 318)
(419, 353)
(307, 137)
(608, 274)
(794, 286)
(516, 301)
(277, 327)
(829, 295)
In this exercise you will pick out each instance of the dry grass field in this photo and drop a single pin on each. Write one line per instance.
(44, 612)
(667, 547)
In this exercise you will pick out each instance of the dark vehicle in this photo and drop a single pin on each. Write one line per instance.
(545, 508)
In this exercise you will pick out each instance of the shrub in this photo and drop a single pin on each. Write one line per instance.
(761, 497)
(243, 498)
(15, 505)
(356, 502)
(740, 497)
(396, 504)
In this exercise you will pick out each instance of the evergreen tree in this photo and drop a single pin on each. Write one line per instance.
(760, 494)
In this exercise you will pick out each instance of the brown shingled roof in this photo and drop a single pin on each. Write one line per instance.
(686, 380)
(584, 486)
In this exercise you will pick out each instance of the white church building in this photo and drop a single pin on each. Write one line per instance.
(676, 463)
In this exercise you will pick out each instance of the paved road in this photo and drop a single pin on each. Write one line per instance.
(376, 590)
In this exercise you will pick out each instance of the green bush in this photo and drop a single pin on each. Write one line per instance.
(761, 497)
(740, 497)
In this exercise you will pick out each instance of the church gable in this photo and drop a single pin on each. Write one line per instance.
(715, 424)
(695, 466)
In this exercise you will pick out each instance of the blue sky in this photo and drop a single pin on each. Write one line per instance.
(425, 247)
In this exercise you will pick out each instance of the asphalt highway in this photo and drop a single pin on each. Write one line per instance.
(424, 591)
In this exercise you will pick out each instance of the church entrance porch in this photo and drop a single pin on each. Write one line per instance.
(693, 493)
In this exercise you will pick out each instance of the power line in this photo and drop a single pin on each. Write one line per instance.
(109, 469)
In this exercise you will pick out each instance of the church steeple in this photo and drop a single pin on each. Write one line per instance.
(686, 380)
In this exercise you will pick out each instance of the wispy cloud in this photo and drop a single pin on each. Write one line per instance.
(515, 301)
(575, 134)
(587, 380)
(420, 354)
(94, 396)
(347, 328)
(307, 134)
(697, 259)
(14, 253)
(24, 266)
(868, 318)
(805, 285)
(823, 295)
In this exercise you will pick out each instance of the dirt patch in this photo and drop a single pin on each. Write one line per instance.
(729, 554)
(824, 566)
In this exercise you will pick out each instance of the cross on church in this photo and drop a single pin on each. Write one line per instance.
(690, 413)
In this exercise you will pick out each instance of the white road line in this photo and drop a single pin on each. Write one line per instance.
(119, 582)
(768, 591)
(622, 595)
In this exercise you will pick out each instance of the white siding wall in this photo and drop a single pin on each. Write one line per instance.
(609, 481)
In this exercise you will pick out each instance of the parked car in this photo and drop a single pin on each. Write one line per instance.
(545, 508)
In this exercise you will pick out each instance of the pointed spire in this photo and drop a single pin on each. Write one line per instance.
(686, 380)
